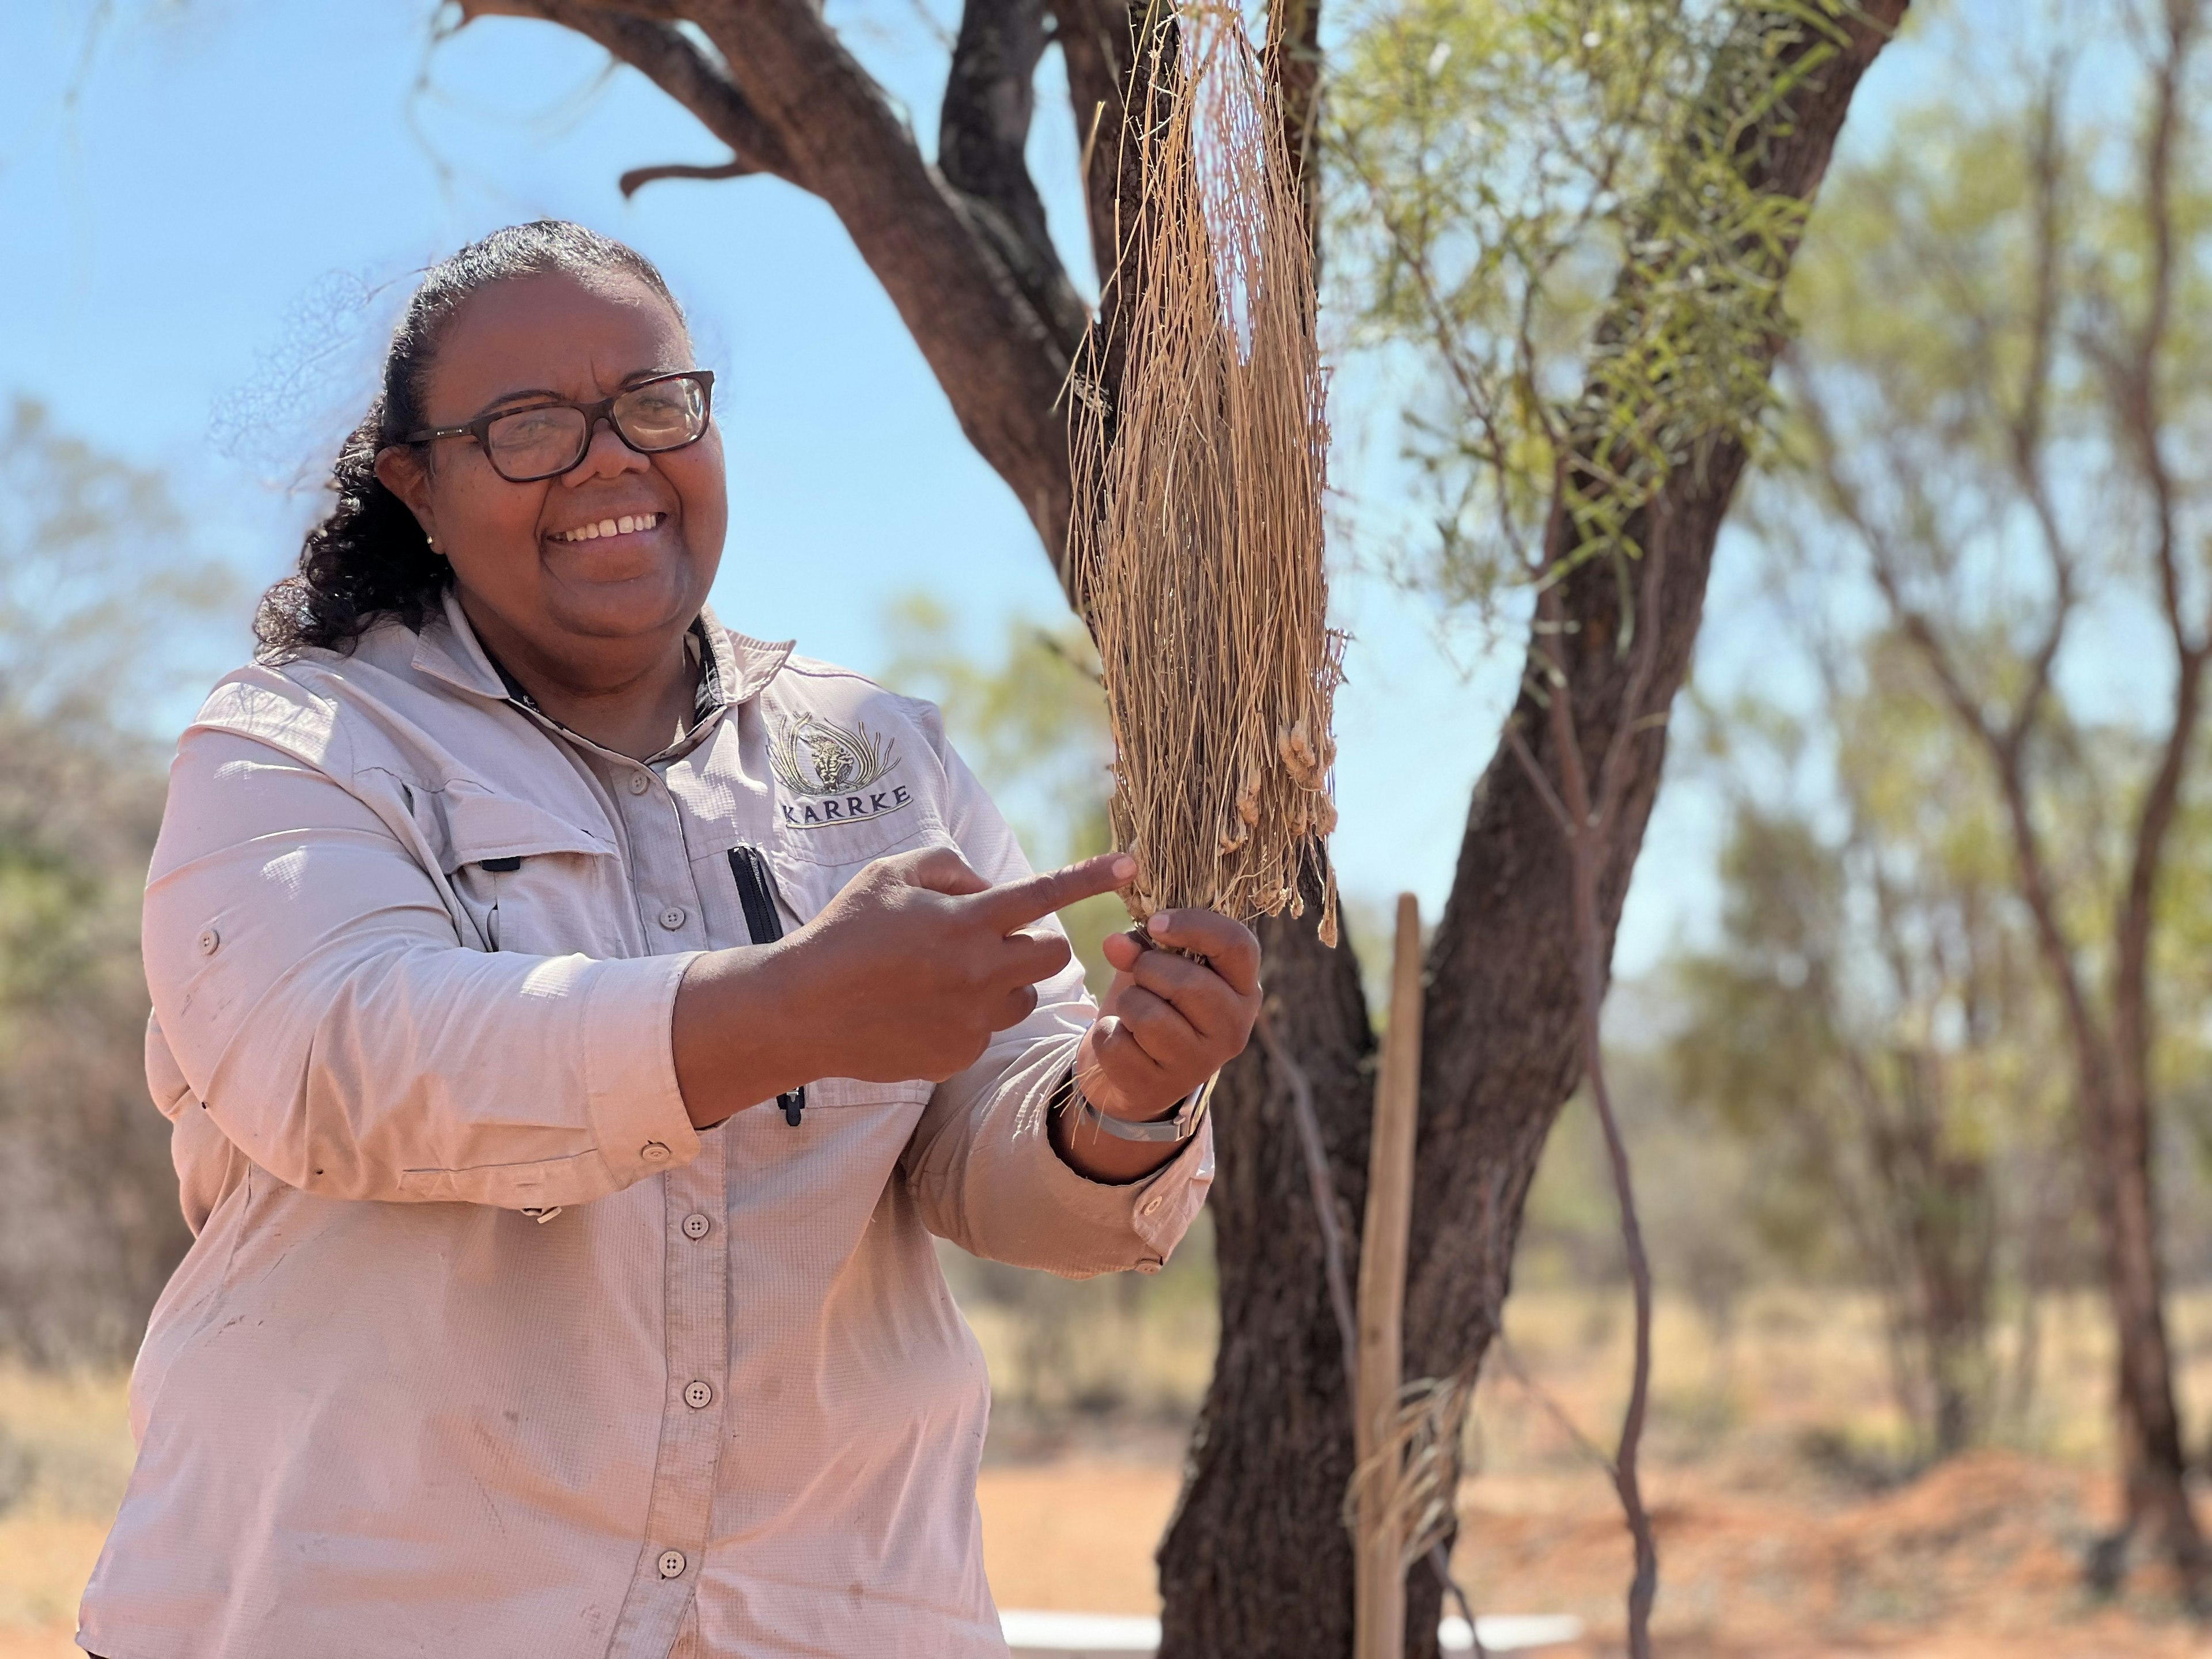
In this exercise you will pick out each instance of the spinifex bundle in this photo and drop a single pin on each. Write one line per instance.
(1196, 543)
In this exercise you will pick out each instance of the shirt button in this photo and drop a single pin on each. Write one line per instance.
(653, 1152)
(671, 1563)
(1152, 1207)
(639, 783)
(696, 1225)
(672, 917)
(209, 940)
(698, 1395)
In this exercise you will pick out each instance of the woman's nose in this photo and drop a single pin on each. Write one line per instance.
(605, 457)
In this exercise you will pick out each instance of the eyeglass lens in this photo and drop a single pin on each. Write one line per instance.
(538, 443)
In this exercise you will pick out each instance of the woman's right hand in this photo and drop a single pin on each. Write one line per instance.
(906, 973)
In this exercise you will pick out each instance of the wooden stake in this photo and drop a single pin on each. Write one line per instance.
(1379, 1585)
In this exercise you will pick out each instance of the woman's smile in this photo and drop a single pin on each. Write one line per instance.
(624, 523)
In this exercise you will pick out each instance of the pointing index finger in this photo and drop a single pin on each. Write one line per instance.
(1018, 903)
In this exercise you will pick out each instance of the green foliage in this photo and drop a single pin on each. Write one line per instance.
(98, 587)
(1873, 1027)
(1558, 208)
(1997, 411)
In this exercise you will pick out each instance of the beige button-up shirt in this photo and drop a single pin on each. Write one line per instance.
(481, 1349)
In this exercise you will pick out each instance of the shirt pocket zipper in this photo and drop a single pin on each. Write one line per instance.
(756, 894)
(506, 866)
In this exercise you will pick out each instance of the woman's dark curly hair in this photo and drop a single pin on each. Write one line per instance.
(368, 558)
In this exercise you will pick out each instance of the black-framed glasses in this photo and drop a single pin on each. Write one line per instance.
(543, 440)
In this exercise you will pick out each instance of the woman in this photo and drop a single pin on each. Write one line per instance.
(576, 1019)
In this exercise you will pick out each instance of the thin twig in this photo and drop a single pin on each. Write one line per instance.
(1440, 1565)
(1584, 822)
(1322, 1182)
(1516, 1367)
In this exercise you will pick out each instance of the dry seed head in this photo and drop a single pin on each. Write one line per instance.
(1195, 550)
(1248, 798)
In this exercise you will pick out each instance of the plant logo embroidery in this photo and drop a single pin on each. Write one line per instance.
(830, 773)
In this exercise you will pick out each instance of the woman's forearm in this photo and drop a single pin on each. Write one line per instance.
(906, 973)
(739, 1034)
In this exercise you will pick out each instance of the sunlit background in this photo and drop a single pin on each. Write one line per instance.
(214, 209)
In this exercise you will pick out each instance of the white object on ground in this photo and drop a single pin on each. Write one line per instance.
(1078, 1632)
(1510, 1632)
(1087, 1634)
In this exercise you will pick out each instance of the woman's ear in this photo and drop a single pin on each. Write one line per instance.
(399, 469)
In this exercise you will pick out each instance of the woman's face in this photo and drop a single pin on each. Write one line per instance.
(525, 566)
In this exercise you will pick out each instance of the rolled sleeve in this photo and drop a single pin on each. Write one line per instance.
(314, 990)
(984, 1174)
(636, 1107)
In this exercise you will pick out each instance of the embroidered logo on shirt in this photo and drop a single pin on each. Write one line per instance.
(831, 772)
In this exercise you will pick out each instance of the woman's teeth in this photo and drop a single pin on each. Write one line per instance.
(622, 526)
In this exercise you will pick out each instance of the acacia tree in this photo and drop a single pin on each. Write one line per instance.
(1872, 1018)
(1257, 1561)
(2005, 437)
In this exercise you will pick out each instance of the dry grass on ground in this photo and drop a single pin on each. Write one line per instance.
(1791, 1522)
(1790, 1525)
(1786, 1528)
(64, 1453)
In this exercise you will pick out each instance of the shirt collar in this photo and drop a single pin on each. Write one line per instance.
(736, 667)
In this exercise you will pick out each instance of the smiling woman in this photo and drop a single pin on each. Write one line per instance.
(489, 900)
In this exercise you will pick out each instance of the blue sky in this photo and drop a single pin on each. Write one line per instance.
(215, 205)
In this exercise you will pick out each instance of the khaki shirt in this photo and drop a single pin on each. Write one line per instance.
(414, 949)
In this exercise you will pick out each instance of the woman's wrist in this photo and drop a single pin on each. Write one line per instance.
(739, 1032)
(1097, 1155)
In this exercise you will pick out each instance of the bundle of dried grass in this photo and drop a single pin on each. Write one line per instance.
(1196, 545)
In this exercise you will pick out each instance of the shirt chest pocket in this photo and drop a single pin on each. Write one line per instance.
(527, 881)
(767, 887)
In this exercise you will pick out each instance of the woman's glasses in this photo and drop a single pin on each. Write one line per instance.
(543, 440)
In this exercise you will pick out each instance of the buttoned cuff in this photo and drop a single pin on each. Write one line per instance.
(637, 1114)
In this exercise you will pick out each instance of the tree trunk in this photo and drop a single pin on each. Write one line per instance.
(1257, 1562)
(1951, 1237)
(2153, 1458)
(2155, 1461)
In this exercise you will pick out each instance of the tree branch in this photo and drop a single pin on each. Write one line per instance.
(1299, 1091)
(2028, 434)
(2005, 743)
(1505, 1042)
(646, 39)
(1099, 42)
(987, 303)
(1584, 827)
(1001, 359)
(2142, 418)
(1294, 57)
(638, 178)
(990, 95)
(2139, 399)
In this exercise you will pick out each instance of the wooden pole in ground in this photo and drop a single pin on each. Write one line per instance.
(1379, 1582)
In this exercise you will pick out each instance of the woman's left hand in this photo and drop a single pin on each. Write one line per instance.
(1167, 1023)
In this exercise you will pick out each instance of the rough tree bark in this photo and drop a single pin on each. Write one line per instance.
(1257, 1561)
